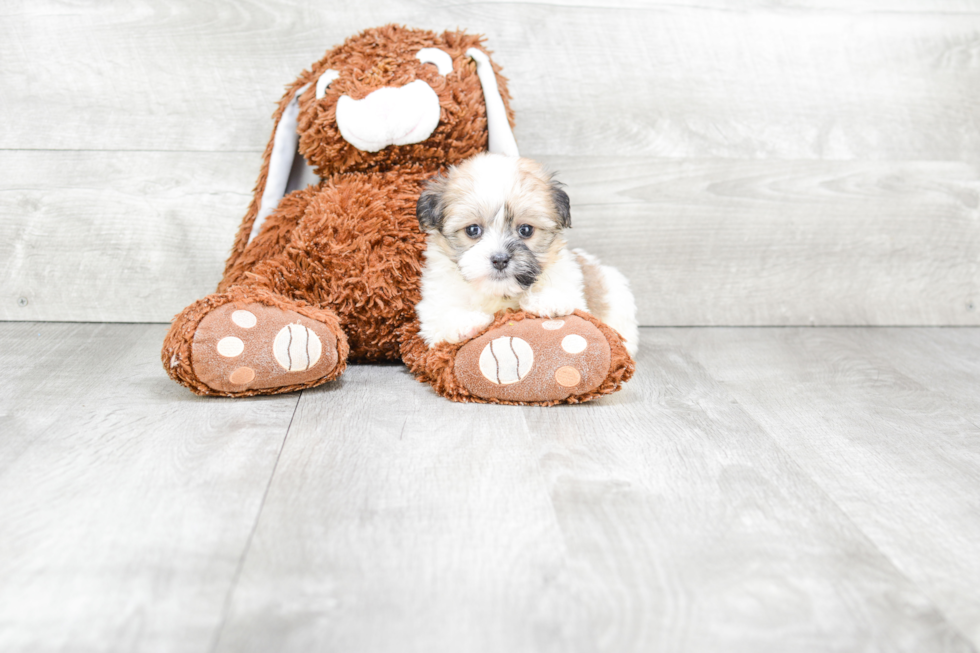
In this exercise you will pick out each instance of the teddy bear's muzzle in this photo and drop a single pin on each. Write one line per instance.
(389, 116)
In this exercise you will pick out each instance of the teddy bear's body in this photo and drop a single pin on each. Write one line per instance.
(330, 272)
(351, 244)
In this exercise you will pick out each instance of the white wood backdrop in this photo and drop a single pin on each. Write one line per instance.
(808, 162)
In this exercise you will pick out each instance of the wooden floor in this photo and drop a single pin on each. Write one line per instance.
(753, 489)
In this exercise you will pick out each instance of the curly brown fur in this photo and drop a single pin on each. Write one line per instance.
(351, 244)
(383, 56)
(347, 252)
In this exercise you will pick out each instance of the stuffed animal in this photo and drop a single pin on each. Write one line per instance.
(325, 269)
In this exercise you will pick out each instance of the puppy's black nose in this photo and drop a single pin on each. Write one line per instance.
(500, 261)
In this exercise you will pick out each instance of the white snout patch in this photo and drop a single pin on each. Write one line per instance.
(389, 116)
(506, 360)
(475, 266)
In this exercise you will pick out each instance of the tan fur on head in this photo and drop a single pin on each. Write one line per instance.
(499, 219)
(494, 225)
(495, 241)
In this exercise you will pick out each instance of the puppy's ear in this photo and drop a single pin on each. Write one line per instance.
(562, 205)
(429, 207)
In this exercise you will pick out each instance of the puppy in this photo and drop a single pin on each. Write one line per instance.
(495, 241)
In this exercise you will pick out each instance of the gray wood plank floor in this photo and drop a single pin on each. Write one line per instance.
(758, 489)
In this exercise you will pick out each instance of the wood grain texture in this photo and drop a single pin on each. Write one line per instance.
(422, 525)
(826, 80)
(947, 362)
(884, 420)
(750, 490)
(779, 163)
(662, 518)
(126, 502)
(784, 242)
(120, 236)
(116, 236)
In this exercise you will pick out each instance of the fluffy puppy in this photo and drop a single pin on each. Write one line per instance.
(495, 228)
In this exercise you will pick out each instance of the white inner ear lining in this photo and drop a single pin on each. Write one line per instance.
(501, 138)
(324, 81)
(280, 162)
(440, 58)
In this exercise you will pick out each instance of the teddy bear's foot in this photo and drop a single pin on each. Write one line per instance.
(246, 347)
(535, 360)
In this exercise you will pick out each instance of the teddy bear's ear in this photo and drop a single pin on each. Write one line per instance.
(501, 138)
(287, 169)
(278, 174)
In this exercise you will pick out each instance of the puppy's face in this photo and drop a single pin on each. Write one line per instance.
(499, 218)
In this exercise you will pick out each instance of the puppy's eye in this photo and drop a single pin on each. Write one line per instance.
(474, 231)
(525, 231)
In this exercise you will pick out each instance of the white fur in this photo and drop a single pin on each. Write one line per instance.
(620, 313)
(559, 289)
(452, 309)
(280, 162)
(494, 179)
(460, 297)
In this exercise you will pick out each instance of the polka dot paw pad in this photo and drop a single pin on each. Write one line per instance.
(245, 347)
(535, 360)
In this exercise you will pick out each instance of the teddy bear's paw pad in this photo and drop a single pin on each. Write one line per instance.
(253, 346)
(535, 360)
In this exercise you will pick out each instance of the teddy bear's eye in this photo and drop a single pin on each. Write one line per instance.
(474, 231)
(525, 231)
(325, 79)
(440, 58)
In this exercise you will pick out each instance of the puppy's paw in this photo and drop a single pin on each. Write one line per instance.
(471, 324)
(455, 326)
(548, 304)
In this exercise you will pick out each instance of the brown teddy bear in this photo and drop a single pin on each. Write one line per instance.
(329, 272)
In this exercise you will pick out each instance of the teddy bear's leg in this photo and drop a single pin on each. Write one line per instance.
(260, 333)
(523, 359)
(250, 340)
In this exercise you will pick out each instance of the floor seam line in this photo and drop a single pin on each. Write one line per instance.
(871, 541)
(826, 494)
(251, 534)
